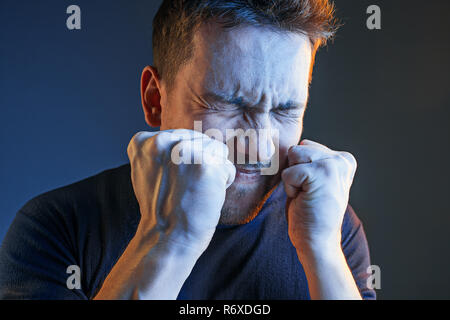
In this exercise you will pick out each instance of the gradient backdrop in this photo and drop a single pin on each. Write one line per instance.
(70, 103)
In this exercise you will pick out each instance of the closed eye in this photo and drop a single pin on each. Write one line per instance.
(291, 111)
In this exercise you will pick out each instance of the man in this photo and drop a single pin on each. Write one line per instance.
(160, 228)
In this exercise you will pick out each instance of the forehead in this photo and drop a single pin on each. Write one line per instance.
(253, 61)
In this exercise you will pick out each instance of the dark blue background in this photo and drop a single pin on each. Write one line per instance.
(69, 99)
(70, 103)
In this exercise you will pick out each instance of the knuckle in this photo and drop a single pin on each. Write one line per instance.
(160, 140)
(138, 137)
(204, 171)
(183, 147)
(135, 145)
(293, 152)
(161, 147)
(163, 142)
(136, 140)
(350, 159)
(328, 167)
(286, 174)
(216, 148)
(131, 149)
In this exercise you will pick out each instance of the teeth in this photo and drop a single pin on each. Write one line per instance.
(248, 171)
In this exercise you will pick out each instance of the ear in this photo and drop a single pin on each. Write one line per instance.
(151, 96)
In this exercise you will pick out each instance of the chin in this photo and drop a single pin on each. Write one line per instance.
(244, 197)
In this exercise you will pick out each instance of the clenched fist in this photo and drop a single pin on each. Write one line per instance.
(317, 183)
(182, 202)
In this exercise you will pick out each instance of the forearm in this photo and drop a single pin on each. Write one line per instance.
(149, 269)
(328, 274)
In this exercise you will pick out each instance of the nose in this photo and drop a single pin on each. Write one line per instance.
(265, 147)
(256, 141)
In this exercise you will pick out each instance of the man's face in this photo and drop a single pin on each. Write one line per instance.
(245, 78)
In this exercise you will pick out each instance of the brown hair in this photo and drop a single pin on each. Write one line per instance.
(177, 20)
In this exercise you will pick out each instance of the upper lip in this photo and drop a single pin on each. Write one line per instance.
(247, 170)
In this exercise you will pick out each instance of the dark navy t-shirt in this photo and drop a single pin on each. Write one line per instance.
(90, 223)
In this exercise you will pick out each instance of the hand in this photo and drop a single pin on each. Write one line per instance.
(317, 183)
(182, 202)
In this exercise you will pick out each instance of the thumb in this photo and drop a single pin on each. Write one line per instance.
(231, 171)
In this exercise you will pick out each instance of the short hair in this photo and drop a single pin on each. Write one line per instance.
(177, 20)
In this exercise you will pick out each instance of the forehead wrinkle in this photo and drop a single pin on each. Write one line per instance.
(242, 101)
(232, 68)
(232, 52)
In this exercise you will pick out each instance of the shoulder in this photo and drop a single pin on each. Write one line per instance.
(356, 250)
(92, 215)
(351, 222)
(90, 191)
(353, 235)
(87, 223)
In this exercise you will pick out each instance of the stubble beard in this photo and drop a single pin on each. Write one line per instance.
(244, 201)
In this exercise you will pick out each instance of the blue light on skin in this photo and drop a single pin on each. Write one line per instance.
(247, 77)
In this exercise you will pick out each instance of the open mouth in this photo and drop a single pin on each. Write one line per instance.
(248, 171)
(247, 174)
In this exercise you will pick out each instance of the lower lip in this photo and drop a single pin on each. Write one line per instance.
(247, 177)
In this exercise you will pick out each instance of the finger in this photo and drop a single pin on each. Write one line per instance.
(163, 136)
(205, 152)
(137, 141)
(350, 162)
(349, 158)
(215, 152)
(294, 177)
(216, 148)
(307, 153)
(346, 155)
(166, 140)
(290, 190)
(230, 170)
(306, 142)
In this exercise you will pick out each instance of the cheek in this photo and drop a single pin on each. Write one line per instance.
(289, 136)
(176, 120)
(178, 115)
(290, 133)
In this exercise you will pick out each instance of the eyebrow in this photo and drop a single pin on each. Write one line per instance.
(243, 103)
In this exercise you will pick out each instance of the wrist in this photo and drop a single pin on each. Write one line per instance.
(153, 266)
(325, 249)
(328, 274)
(163, 268)
(177, 242)
(180, 246)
